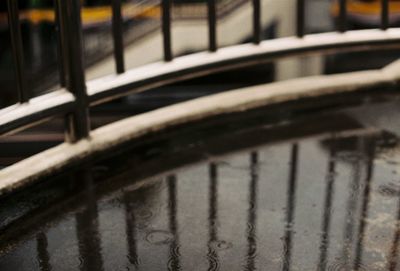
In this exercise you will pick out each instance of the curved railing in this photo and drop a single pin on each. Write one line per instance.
(76, 96)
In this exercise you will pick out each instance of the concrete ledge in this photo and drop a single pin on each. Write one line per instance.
(138, 127)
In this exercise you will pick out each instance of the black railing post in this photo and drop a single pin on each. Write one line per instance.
(60, 49)
(342, 24)
(71, 36)
(256, 21)
(212, 25)
(166, 29)
(17, 50)
(385, 14)
(300, 20)
(117, 31)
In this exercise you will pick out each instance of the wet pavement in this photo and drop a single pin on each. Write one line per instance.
(316, 193)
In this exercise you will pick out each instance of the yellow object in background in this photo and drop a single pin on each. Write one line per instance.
(366, 7)
(90, 15)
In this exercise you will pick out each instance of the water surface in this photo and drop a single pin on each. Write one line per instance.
(320, 193)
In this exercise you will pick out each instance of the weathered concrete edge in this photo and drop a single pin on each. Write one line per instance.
(137, 127)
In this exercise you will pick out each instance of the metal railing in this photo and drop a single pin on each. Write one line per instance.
(76, 96)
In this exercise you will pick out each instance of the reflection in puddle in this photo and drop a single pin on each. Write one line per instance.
(319, 203)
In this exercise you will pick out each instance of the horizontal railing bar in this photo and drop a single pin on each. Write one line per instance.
(21, 116)
(158, 74)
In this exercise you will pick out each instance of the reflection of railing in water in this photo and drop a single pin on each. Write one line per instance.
(290, 208)
(394, 249)
(212, 254)
(87, 228)
(88, 232)
(326, 220)
(366, 193)
(174, 262)
(130, 230)
(252, 216)
(42, 252)
(351, 203)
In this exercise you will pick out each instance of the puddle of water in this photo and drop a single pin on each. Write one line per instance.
(322, 200)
